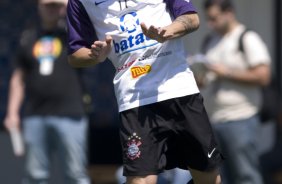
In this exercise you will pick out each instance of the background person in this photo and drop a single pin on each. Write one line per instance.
(54, 118)
(233, 90)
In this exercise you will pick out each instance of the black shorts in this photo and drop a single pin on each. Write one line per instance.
(168, 134)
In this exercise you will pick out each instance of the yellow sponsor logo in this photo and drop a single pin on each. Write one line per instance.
(137, 71)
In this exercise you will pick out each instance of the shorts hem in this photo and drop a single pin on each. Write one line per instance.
(142, 173)
(211, 167)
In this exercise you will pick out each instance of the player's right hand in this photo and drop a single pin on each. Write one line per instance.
(101, 49)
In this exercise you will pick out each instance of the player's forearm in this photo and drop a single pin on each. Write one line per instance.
(183, 25)
(82, 58)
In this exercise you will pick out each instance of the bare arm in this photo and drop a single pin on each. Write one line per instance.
(181, 26)
(82, 58)
(85, 57)
(184, 24)
(16, 96)
(259, 75)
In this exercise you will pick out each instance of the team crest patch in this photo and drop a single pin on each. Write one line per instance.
(137, 71)
(133, 144)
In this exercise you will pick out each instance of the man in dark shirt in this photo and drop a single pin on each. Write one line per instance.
(54, 118)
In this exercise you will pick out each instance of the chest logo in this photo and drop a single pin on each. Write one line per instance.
(132, 38)
(129, 22)
(46, 50)
(47, 46)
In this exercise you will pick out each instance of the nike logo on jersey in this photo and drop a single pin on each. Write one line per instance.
(97, 3)
(210, 154)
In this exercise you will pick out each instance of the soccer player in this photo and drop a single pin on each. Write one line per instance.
(164, 123)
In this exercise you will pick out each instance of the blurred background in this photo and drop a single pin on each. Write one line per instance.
(265, 17)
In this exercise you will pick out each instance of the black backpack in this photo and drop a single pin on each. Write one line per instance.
(270, 97)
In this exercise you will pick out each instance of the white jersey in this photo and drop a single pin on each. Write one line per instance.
(146, 71)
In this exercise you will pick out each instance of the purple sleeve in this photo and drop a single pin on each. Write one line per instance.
(80, 29)
(180, 7)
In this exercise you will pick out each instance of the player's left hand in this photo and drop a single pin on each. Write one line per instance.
(156, 33)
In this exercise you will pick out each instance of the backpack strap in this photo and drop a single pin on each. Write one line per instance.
(208, 38)
(240, 43)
